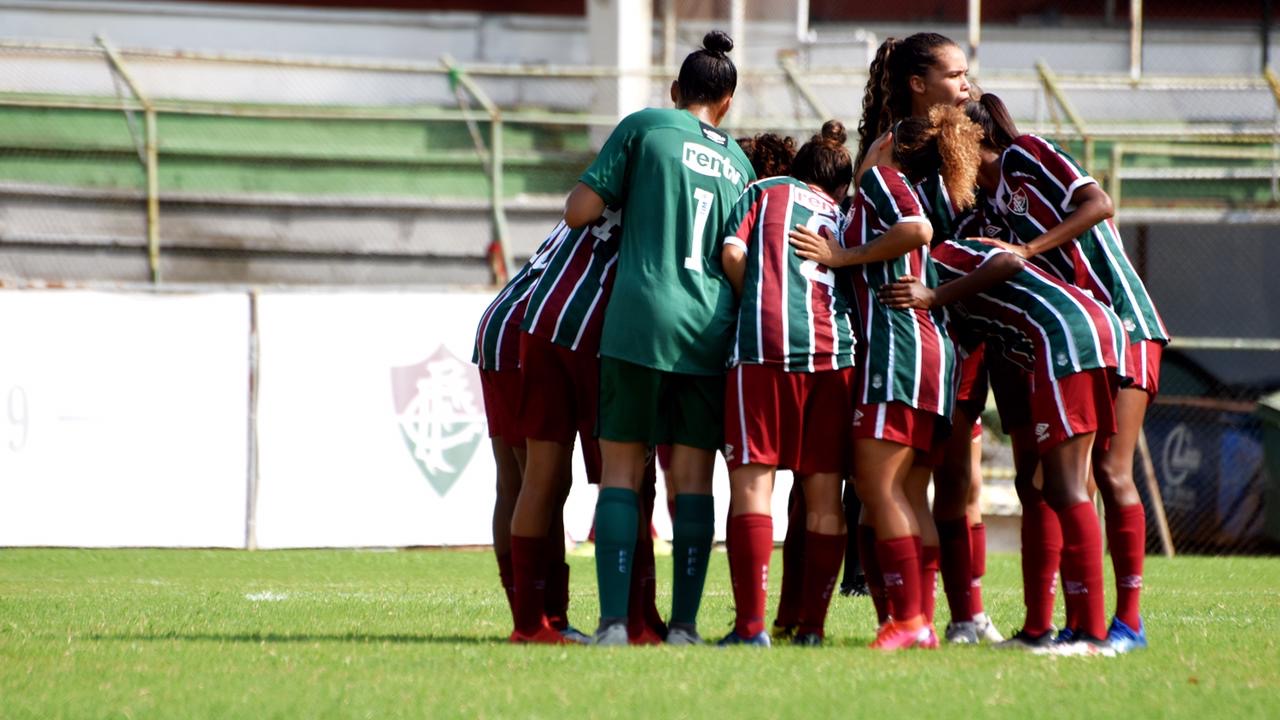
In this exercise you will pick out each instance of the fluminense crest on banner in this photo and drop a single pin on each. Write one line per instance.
(440, 414)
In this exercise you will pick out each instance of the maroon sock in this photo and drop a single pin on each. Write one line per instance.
(1127, 540)
(555, 599)
(871, 570)
(900, 568)
(1082, 567)
(955, 561)
(929, 559)
(1041, 554)
(752, 548)
(791, 596)
(643, 572)
(508, 581)
(822, 558)
(528, 565)
(977, 565)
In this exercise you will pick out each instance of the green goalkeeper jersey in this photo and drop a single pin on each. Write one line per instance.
(676, 178)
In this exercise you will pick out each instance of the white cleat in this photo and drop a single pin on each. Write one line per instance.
(986, 629)
(680, 635)
(611, 635)
(575, 636)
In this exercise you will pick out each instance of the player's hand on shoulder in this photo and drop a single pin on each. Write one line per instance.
(820, 246)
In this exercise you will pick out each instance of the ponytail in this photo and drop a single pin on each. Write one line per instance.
(887, 97)
(990, 114)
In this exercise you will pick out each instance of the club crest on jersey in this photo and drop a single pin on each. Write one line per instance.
(438, 415)
(1018, 202)
(705, 161)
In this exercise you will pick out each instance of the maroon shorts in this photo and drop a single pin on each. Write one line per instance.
(797, 421)
(559, 397)
(971, 392)
(1142, 363)
(1079, 403)
(501, 389)
(896, 422)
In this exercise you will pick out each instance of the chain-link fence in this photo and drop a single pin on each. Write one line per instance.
(139, 165)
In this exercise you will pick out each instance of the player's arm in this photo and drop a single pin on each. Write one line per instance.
(734, 260)
(909, 292)
(901, 239)
(1093, 205)
(582, 207)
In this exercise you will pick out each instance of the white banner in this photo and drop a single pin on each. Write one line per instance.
(123, 419)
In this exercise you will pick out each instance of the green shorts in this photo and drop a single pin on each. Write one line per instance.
(640, 404)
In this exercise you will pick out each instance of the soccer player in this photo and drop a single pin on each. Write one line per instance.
(1072, 349)
(497, 353)
(1062, 222)
(907, 77)
(787, 393)
(668, 325)
(906, 358)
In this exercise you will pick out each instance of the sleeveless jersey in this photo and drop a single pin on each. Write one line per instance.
(676, 179)
(906, 355)
(497, 344)
(566, 304)
(791, 314)
(1037, 180)
(1040, 323)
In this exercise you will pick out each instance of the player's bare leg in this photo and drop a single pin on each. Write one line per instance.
(510, 469)
(825, 538)
(693, 529)
(1126, 518)
(751, 525)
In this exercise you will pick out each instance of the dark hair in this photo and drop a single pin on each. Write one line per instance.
(770, 154)
(990, 114)
(945, 143)
(824, 160)
(887, 97)
(708, 75)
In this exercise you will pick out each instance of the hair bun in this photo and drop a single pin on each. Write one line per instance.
(834, 130)
(717, 42)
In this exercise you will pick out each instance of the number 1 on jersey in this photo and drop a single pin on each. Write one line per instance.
(704, 199)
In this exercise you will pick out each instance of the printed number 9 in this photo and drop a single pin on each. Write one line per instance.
(704, 199)
(19, 418)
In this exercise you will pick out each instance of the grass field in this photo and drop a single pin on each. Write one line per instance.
(302, 634)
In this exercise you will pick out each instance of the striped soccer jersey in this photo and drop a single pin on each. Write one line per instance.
(497, 344)
(566, 305)
(1037, 180)
(791, 313)
(936, 202)
(1042, 324)
(906, 355)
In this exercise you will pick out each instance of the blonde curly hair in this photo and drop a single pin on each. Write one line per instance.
(947, 143)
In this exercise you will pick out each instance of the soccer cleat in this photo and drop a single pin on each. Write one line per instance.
(647, 636)
(928, 638)
(987, 631)
(894, 635)
(1084, 645)
(679, 634)
(1023, 640)
(1123, 639)
(809, 639)
(760, 639)
(782, 632)
(1065, 636)
(574, 635)
(857, 587)
(544, 635)
(962, 633)
(611, 634)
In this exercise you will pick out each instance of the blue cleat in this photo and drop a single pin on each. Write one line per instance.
(760, 639)
(1066, 636)
(1123, 639)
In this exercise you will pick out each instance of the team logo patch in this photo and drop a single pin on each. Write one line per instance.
(705, 161)
(857, 418)
(714, 136)
(1061, 359)
(877, 381)
(1075, 587)
(1042, 432)
(992, 230)
(440, 419)
(728, 452)
(1018, 202)
(1130, 325)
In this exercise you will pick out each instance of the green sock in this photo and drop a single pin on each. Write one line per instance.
(617, 515)
(692, 532)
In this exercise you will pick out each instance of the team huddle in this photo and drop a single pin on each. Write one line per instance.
(840, 315)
